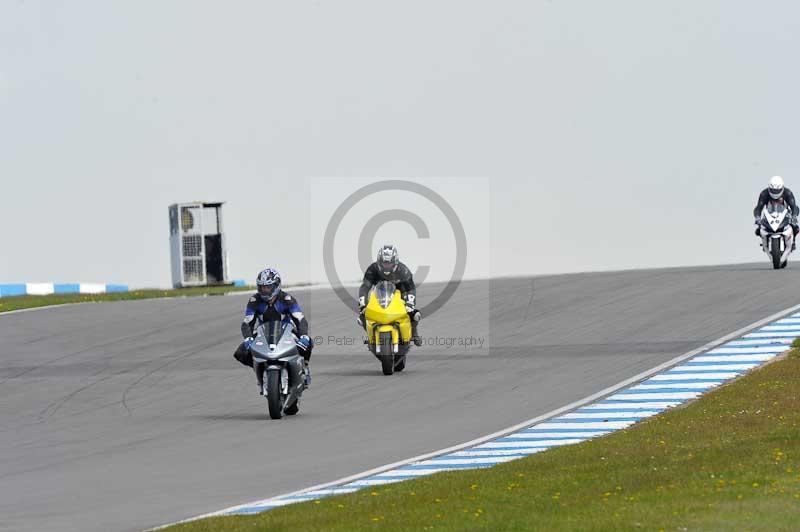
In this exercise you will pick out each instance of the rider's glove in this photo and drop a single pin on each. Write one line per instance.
(248, 342)
(411, 301)
(362, 304)
(304, 342)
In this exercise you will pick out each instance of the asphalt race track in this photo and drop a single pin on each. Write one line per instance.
(128, 415)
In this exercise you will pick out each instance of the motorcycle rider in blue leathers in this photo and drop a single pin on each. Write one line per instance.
(272, 303)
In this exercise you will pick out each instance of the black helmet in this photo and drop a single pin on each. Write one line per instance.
(387, 259)
(268, 283)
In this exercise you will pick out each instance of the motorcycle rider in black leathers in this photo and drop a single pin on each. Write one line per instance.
(388, 267)
(776, 191)
(272, 303)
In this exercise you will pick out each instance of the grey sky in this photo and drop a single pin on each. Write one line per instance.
(616, 134)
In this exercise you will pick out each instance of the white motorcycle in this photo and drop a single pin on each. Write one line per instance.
(777, 235)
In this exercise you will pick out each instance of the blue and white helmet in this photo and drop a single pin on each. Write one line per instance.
(268, 283)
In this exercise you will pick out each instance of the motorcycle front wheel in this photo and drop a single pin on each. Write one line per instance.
(775, 253)
(274, 396)
(385, 353)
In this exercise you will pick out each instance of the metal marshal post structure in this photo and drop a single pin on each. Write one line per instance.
(197, 244)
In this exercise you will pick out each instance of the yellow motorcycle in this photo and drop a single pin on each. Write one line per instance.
(388, 327)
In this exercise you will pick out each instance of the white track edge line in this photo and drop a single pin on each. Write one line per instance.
(304, 288)
(45, 307)
(499, 434)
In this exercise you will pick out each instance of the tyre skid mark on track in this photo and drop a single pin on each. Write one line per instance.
(172, 360)
(50, 411)
(101, 345)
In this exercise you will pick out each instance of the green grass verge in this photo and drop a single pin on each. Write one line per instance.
(728, 461)
(23, 302)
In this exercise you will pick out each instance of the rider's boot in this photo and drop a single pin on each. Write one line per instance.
(415, 334)
(306, 373)
(259, 383)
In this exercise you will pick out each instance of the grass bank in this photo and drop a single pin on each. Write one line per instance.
(728, 461)
(22, 302)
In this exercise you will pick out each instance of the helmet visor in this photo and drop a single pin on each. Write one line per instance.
(267, 290)
(387, 265)
(775, 192)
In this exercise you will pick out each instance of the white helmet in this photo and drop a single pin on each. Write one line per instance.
(776, 187)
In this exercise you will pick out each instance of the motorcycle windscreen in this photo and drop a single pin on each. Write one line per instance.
(384, 293)
(272, 331)
(775, 207)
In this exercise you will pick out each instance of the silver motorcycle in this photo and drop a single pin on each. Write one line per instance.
(279, 367)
